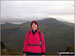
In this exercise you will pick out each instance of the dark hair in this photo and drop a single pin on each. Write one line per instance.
(34, 22)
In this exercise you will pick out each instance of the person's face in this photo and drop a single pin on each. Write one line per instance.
(34, 26)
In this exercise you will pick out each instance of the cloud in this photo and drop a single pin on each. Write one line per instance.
(23, 10)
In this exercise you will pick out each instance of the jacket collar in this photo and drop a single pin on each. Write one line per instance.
(37, 30)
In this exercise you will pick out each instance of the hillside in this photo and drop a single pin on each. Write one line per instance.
(58, 36)
(7, 51)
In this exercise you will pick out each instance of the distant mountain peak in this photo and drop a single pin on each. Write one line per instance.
(8, 23)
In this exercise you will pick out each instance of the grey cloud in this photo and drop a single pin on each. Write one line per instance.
(35, 9)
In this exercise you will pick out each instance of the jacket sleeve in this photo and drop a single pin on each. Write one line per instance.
(42, 44)
(25, 43)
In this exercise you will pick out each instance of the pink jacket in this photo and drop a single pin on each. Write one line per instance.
(30, 39)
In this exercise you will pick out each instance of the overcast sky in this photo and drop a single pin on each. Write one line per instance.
(19, 11)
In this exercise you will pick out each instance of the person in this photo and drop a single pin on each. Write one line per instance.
(34, 43)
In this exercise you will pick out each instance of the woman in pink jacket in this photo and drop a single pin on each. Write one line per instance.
(34, 43)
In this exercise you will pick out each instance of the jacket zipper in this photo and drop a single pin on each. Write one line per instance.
(33, 41)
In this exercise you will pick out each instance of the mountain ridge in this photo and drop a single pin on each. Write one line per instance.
(54, 32)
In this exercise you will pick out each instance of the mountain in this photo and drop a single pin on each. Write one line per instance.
(58, 36)
(68, 23)
(8, 26)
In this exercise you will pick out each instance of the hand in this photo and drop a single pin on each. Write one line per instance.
(24, 55)
(43, 55)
